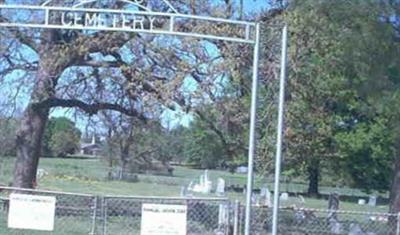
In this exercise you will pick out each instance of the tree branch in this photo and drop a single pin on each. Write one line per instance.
(20, 36)
(100, 64)
(90, 109)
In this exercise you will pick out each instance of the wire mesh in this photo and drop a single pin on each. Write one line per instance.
(74, 213)
(122, 215)
(305, 221)
(114, 215)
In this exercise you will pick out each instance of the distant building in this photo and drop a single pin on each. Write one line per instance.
(92, 148)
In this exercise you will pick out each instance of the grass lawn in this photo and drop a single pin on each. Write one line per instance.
(89, 176)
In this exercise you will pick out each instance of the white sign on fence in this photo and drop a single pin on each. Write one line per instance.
(31, 212)
(160, 219)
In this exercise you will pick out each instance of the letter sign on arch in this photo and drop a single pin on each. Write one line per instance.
(137, 17)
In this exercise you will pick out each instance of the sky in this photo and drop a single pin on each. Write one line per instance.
(251, 6)
(171, 118)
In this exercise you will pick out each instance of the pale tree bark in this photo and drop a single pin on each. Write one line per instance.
(33, 123)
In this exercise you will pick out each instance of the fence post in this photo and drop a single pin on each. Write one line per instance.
(104, 214)
(398, 224)
(93, 232)
(236, 218)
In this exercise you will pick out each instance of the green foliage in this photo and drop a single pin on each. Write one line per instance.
(340, 99)
(61, 137)
(8, 129)
(367, 155)
(202, 147)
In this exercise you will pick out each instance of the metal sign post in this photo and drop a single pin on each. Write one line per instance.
(278, 157)
(252, 141)
(139, 18)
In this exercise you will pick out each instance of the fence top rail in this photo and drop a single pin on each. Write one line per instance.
(337, 211)
(167, 198)
(45, 191)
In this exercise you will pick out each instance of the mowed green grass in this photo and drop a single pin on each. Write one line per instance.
(90, 176)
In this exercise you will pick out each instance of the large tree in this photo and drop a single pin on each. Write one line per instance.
(342, 88)
(92, 71)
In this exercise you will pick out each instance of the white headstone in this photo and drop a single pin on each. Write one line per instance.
(284, 197)
(263, 191)
(204, 186)
(40, 173)
(201, 180)
(183, 191)
(190, 187)
(241, 170)
(361, 201)
(267, 198)
(220, 187)
(372, 201)
(253, 199)
(301, 199)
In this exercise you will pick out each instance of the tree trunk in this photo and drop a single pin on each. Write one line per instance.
(110, 153)
(31, 130)
(124, 159)
(29, 143)
(313, 177)
(395, 194)
(395, 189)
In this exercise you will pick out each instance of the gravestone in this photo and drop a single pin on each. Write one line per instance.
(254, 199)
(361, 201)
(204, 185)
(220, 187)
(301, 200)
(263, 191)
(191, 185)
(372, 201)
(183, 191)
(41, 173)
(284, 197)
(268, 198)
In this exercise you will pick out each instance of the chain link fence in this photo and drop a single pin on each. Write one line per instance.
(205, 216)
(305, 221)
(114, 215)
(74, 213)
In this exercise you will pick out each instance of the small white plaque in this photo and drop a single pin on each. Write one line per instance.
(160, 219)
(31, 212)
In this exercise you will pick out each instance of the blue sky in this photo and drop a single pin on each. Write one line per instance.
(251, 6)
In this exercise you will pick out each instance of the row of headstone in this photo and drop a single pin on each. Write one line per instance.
(371, 201)
(265, 198)
(204, 186)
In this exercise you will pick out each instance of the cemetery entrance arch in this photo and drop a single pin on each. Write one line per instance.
(139, 18)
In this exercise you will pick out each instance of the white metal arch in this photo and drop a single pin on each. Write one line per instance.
(79, 18)
(93, 19)
(137, 3)
(140, 6)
